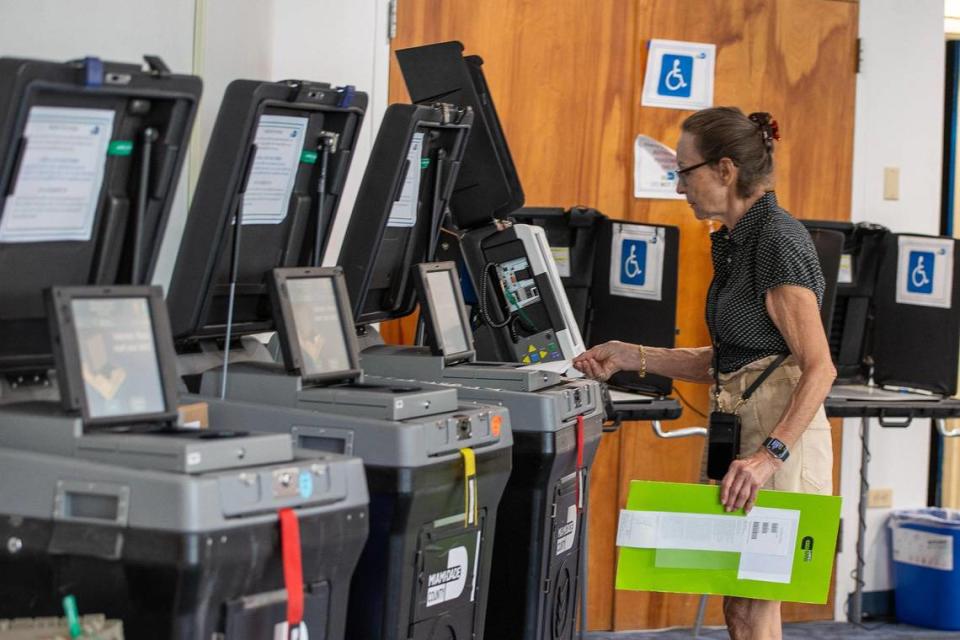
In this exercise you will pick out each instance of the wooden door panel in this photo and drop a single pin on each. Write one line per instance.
(566, 77)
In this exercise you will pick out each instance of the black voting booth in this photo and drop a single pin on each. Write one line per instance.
(203, 566)
(887, 330)
(409, 538)
(413, 167)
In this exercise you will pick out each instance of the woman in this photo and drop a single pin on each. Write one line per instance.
(762, 304)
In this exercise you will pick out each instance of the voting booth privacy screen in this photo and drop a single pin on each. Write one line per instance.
(123, 131)
(895, 312)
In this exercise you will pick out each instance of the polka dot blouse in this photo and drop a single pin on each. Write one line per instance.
(767, 248)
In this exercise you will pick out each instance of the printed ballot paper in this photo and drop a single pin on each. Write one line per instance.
(677, 537)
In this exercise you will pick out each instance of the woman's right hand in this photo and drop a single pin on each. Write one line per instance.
(604, 360)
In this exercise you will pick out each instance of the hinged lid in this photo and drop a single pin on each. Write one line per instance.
(402, 199)
(488, 186)
(90, 153)
(282, 150)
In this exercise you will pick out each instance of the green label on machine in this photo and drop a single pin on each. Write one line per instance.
(424, 163)
(120, 148)
(308, 157)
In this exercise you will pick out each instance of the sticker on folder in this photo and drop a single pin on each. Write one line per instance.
(677, 538)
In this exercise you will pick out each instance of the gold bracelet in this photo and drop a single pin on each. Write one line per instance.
(642, 372)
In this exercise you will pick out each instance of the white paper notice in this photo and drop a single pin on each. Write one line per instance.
(925, 271)
(765, 538)
(404, 211)
(845, 275)
(923, 549)
(279, 142)
(60, 176)
(561, 256)
(654, 170)
(636, 261)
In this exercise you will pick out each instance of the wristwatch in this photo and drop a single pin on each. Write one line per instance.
(777, 449)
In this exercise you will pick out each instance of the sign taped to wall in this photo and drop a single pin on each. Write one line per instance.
(679, 75)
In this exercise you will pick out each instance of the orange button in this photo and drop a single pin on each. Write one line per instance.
(495, 423)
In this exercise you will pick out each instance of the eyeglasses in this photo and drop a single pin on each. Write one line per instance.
(680, 172)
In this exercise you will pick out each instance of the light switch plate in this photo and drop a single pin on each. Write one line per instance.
(891, 183)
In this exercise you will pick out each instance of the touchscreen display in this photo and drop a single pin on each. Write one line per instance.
(319, 332)
(446, 312)
(118, 356)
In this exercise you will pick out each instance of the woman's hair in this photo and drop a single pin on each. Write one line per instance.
(724, 132)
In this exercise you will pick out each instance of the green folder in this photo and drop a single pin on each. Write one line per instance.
(720, 571)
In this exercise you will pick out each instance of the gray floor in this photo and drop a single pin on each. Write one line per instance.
(807, 630)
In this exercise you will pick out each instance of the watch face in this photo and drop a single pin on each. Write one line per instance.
(776, 447)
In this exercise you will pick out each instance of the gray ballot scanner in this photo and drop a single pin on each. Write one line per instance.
(556, 425)
(179, 533)
(436, 464)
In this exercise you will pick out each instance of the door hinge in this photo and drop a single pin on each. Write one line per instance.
(858, 56)
(392, 19)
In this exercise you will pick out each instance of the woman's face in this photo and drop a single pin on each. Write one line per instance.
(706, 192)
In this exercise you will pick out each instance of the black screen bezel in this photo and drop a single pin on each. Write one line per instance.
(287, 328)
(431, 322)
(66, 349)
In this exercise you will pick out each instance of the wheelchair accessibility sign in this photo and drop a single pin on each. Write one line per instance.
(636, 261)
(925, 271)
(679, 75)
(633, 267)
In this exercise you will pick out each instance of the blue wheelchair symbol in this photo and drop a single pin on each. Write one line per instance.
(676, 76)
(633, 262)
(920, 271)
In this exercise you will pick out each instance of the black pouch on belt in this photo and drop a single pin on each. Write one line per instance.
(723, 436)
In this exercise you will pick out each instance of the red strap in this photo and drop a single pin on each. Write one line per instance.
(580, 428)
(292, 566)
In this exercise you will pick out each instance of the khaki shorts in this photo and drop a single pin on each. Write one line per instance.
(809, 469)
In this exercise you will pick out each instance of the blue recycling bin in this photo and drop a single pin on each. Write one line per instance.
(925, 544)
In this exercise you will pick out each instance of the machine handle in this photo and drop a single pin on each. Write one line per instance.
(679, 433)
(942, 428)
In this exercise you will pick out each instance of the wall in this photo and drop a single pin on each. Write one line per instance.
(899, 123)
(220, 40)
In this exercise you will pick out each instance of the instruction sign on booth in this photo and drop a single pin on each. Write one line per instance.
(679, 75)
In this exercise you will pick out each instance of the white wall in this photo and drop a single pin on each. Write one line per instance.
(899, 123)
(340, 43)
(220, 40)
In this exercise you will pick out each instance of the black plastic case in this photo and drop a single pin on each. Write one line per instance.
(488, 186)
(377, 258)
(199, 288)
(143, 99)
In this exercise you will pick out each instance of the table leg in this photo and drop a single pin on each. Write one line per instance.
(855, 613)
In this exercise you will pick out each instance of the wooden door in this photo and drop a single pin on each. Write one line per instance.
(566, 76)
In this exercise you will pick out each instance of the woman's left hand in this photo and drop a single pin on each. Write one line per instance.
(744, 478)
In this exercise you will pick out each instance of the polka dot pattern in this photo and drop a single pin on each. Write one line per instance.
(767, 248)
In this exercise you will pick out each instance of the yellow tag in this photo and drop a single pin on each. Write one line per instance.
(471, 501)
(469, 462)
